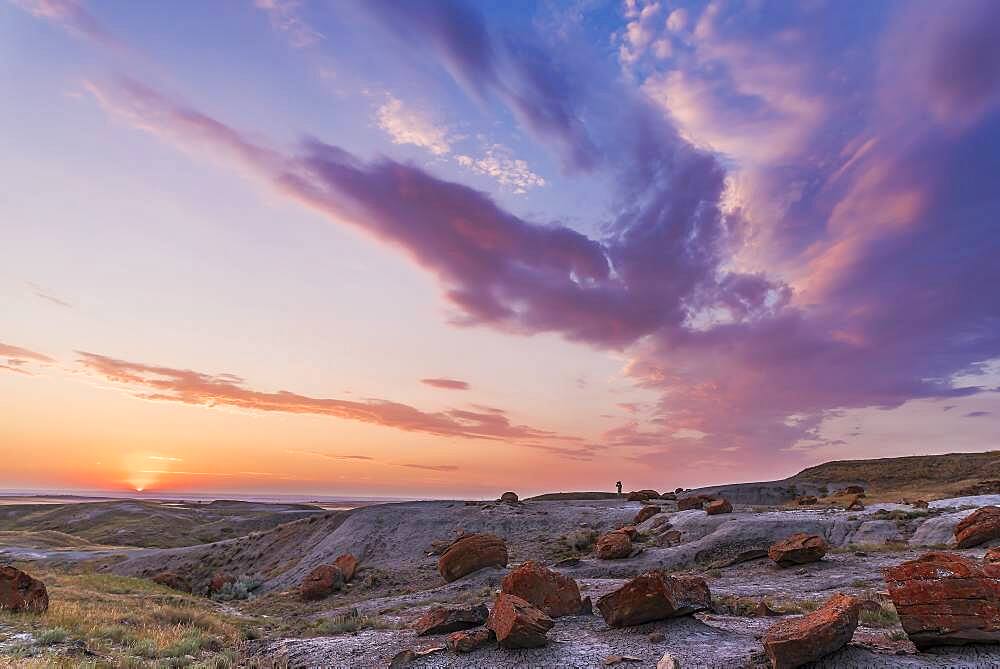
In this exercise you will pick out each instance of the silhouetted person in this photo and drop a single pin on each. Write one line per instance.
(619, 484)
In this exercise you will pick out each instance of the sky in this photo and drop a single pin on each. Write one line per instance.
(454, 248)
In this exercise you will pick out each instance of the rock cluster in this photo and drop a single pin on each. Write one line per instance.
(21, 592)
(654, 596)
(792, 643)
(980, 526)
(471, 553)
(797, 549)
(946, 599)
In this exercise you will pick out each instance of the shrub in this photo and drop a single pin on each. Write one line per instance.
(52, 636)
(241, 588)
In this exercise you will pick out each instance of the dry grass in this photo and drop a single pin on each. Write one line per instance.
(123, 622)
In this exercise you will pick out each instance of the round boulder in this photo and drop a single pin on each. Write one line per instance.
(470, 553)
(21, 592)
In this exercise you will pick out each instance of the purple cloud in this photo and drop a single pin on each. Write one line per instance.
(447, 384)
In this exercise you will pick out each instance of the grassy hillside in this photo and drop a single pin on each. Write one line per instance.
(932, 476)
(151, 524)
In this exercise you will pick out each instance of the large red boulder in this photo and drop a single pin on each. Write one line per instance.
(470, 553)
(444, 619)
(645, 513)
(348, 564)
(946, 599)
(613, 546)
(321, 582)
(715, 507)
(799, 548)
(21, 592)
(517, 623)
(793, 643)
(980, 526)
(555, 594)
(654, 596)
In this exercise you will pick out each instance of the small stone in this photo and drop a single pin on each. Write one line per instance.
(668, 661)
(468, 641)
(612, 660)
(657, 637)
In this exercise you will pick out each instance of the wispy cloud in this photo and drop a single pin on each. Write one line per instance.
(41, 294)
(409, 126)
(286, 17)
(448, 384)
(18, 360)
(153, 382)
(499, 163)
(73, 16)
(433, 468)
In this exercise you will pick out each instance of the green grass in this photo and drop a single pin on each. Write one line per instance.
(52, 636)
(349, 623)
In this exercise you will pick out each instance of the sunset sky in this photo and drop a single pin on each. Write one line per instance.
(443, 248)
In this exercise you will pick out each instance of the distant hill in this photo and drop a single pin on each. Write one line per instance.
(149, 524)
(550, 496)
(884, 479)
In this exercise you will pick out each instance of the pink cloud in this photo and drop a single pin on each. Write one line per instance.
(153, 382)
(448, 384)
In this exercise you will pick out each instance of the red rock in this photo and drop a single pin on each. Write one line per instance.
(444, 619)
(799, 548)
(793, 643)
(855, 504)
(348, 564)
(321, 582)
(613, 546)
(517, 623)
(645, 513)
(980, 526)
(688, 503)
(21, 592)
(466, 642)
(470, 553)
(654, 596)
(919, 504)
(509, 498)
(854, 490)
(642, 495)
(807, 499)
(670, 496)
(946, 599)
(992, 555)
(172, 580)
(555, 594)
(629, 530)
(219, 581)
(719, 506)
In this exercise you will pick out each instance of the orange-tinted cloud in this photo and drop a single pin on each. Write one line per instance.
(15, 358)
(191, 387)
(448, 384)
